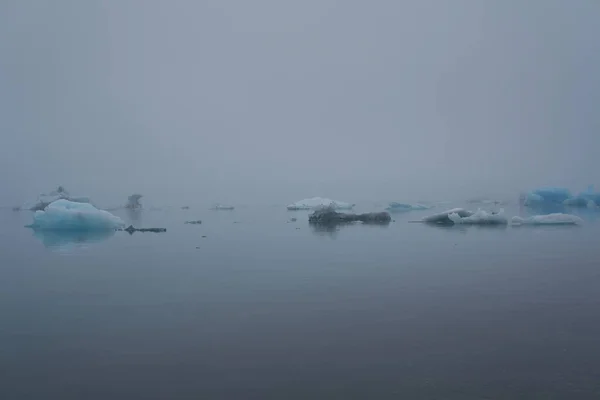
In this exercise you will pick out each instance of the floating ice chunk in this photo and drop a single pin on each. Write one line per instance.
(485, 201)
(318, 202)
(68, 215)
(553, 195)
(549, 219)
(480, 217)
(403, 207)
(223, 207)
(444, 217)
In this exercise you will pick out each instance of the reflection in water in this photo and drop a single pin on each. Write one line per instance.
(464, 228)
(332, 229)
(67, 239)
(134, 215)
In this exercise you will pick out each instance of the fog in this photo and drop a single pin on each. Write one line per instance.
(271, 101)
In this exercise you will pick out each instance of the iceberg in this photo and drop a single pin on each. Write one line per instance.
(480, 217)
(549, 219)
(404, 207)
(443, 218)
(552, 195)
(65, 215)
(318, 202)
(589, 199)
(133, 202)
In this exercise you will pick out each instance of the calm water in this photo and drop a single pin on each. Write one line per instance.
(264, 309)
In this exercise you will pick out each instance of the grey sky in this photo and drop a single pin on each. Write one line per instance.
(273, 101)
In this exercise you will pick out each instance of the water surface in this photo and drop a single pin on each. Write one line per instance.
(263, 308)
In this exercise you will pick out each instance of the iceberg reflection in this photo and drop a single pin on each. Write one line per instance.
(69, 239)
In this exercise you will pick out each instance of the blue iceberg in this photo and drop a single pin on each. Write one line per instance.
(551, 195)
(404, 207)
(589, 199)
(65, 215)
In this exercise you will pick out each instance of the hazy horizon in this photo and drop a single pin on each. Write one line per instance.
(270, 101)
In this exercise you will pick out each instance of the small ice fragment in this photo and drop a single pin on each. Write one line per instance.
(317, 202)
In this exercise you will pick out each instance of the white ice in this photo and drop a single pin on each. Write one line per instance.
(67, 215)
(480, 217)
(443, 217)
(318, 202)
(549, 219)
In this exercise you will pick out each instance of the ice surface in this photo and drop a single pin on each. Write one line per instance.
(549, 219)
(318, 202)
(480, 217)
(553, 195)
(444, 217)
(403, 207)
(71, 216)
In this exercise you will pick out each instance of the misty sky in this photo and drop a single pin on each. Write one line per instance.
(273, 101)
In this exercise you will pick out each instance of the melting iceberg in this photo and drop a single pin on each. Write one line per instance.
(133, 202)
(549, 219)
(67, 215)
(319, 202)
(480, 217)
(404, 207)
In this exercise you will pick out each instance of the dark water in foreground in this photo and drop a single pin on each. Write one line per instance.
(260, 309)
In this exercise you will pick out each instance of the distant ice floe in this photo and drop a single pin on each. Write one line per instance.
(550, 195)
(65, 215)
(319, 202)
(405, 207)
(485, 201)
(549, 219)
(222, 207)
(558, 197)
(133, 202)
